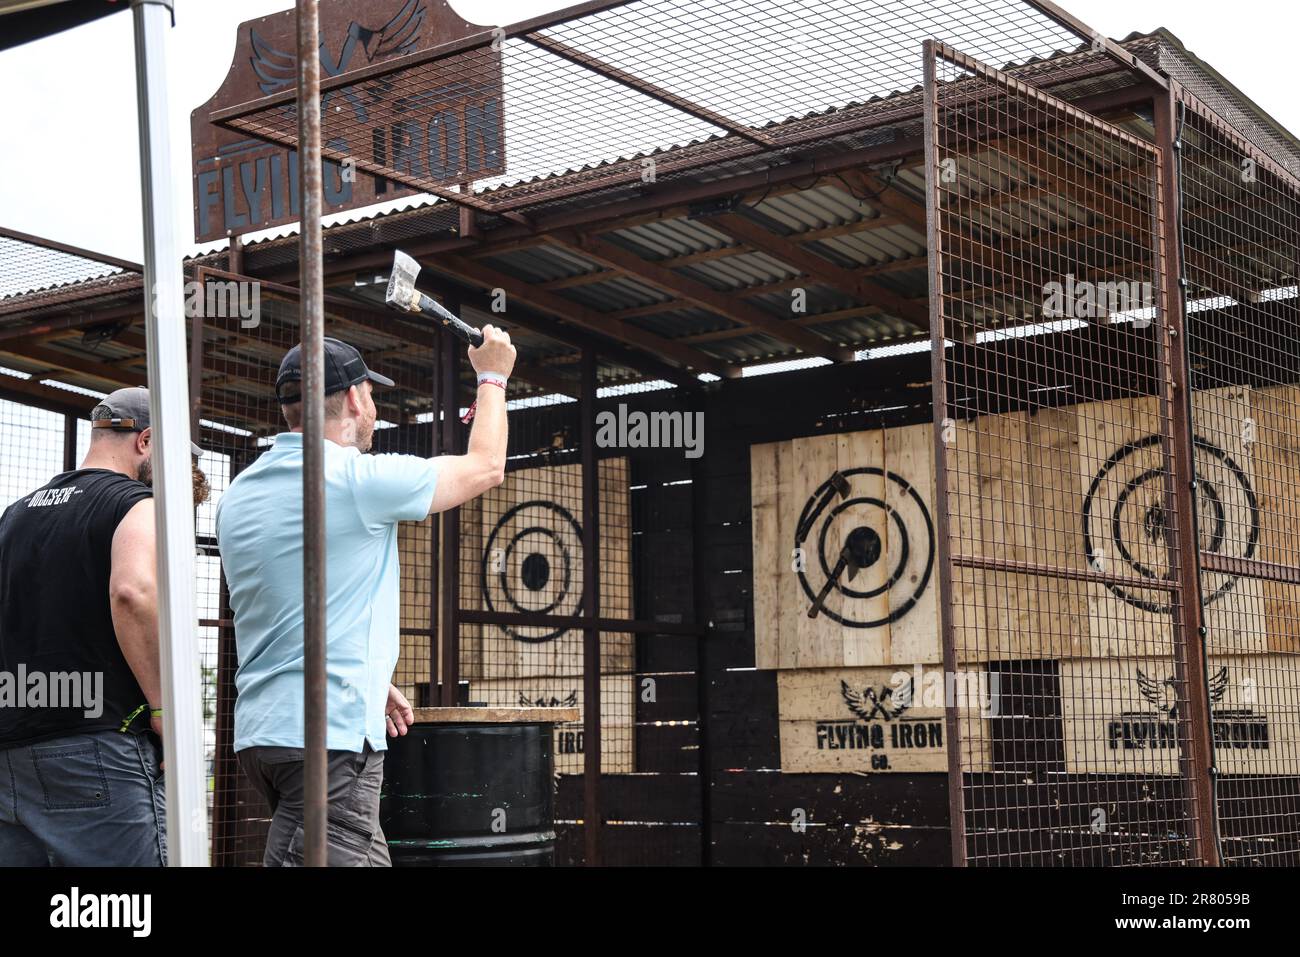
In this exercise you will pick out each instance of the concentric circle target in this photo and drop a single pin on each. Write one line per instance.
(1127, 528)
(532, 563)
(865, 546)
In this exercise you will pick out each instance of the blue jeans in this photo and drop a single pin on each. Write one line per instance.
(94, 799)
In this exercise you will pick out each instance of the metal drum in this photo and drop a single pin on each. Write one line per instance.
(470, 795)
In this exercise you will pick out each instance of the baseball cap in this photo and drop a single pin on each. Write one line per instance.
(127, 410)
(344, 368)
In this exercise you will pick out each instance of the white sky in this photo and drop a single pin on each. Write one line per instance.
(68, 151)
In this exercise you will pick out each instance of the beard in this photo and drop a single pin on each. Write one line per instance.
(145, 473)
(202, 490)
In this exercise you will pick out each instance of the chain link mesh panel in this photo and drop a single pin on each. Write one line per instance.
(1056, 445)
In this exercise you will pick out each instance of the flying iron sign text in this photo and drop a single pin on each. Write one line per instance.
(441, 125)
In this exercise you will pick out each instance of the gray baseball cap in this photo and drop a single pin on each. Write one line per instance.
(126, 410)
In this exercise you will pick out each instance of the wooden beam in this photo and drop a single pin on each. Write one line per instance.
(789, 250)
(58, 359)
(484, 277)
(723, 303)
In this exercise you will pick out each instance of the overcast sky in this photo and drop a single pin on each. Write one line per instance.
(68, 151)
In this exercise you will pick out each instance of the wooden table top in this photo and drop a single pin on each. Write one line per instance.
(495, 715)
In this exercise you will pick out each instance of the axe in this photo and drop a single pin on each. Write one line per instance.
(403, 296)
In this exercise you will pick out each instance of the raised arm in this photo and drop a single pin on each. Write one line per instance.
(464, 477)
(133, 599)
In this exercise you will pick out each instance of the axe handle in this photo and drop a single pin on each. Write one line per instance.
(460, 328)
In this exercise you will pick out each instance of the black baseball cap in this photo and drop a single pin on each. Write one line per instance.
(344, 368)
(126, 410)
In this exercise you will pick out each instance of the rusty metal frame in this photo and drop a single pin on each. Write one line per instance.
(939, 394)
(593, 816)
(1196, 764)
(1196, 740)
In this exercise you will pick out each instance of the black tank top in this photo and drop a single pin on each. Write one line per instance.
(56, 626)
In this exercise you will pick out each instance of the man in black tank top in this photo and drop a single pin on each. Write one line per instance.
(80, 691)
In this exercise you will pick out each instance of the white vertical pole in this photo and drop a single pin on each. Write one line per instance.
(169, 410)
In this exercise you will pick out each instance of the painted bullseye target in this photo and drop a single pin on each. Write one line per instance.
(859, 545)
(532, 564)
(1127, 527)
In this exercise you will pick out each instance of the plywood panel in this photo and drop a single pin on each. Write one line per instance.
(530, 560)
(866, 720)
(1229, 519)
(913, 601)
(1119, 715)
(844, 524)
(1275, 452)
(1124, 523)
(1011, 605)
(1055, 502)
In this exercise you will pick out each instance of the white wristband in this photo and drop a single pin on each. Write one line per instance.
(495, 378)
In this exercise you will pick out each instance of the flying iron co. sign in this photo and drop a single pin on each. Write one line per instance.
(441, 124)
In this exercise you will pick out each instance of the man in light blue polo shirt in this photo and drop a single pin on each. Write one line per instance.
(259, 531)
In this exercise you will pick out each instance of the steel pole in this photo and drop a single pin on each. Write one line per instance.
(1196, 752)
(312, 329)
(169, 406)
(939, 398)
(591, 743)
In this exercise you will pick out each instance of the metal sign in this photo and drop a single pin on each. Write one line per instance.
(452, 129)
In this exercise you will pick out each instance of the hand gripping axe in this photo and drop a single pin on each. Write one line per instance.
(402, 295)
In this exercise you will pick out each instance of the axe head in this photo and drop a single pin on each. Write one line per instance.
(839, 483)
(402, 293)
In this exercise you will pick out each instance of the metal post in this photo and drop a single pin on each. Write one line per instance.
(703, 666)
(435, 533)
(69, 443)
(1196, 753)
(591, 812)
(312, 329)
(187, 824)
(939, 397)
(450, 521)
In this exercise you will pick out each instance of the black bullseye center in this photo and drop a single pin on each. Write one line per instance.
(535, 572)
(864, 546)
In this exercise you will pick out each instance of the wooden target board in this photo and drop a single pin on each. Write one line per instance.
(1080, 488)
(529, 557)
(521, 551)
(843, 524)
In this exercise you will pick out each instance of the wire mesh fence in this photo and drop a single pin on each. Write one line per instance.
(1061, 511)
(640, 92)
(1240, 226)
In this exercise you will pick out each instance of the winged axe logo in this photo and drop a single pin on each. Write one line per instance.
(1164, 694)
(569, 701)
(277, 69)
(884, 704)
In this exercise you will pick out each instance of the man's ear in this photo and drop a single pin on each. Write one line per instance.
(356, 404)
(144, 441)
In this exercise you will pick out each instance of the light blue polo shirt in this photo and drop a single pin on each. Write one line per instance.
(259, 530)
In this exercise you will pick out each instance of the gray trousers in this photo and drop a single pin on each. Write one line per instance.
(85, 800)
(353, 836)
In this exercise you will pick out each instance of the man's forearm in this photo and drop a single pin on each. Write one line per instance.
(488, 437)
(135, 619)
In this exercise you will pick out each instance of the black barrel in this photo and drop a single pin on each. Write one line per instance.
(470, 795)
